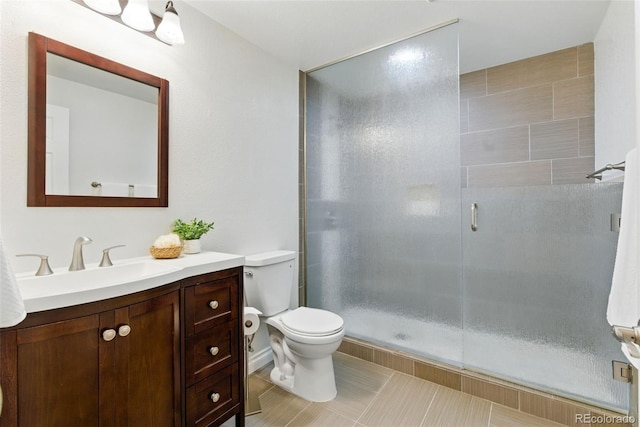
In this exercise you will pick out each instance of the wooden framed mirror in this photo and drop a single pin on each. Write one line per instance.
(98, 130)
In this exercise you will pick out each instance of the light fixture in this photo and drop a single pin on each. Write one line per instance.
(136, 15)
(108, 7)
(169, 30)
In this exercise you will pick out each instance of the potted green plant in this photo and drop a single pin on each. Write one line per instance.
(191, 232)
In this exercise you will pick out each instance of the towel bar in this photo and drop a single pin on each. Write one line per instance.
(598, 174)
(626, 334)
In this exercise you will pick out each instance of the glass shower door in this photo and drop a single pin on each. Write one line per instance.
(537, 274)
(383, 195)
(385, 248)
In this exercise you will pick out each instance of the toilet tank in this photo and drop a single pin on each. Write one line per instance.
(268, 280)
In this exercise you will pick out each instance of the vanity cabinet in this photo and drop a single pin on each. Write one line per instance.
(213, 348)
(112, 368)
(168, 356)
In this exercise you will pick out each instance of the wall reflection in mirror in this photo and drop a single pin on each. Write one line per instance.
(102, 132)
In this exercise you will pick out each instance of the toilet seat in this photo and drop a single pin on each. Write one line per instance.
(312, 322)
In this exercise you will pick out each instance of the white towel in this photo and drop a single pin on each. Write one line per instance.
(12, 309)
(624, 303)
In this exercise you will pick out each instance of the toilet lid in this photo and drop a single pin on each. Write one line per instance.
(312, 322)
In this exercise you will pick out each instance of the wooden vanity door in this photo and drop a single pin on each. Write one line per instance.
(72, 373)
(57, 372)
(148, 359)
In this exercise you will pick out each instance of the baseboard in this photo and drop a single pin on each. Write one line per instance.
(259, 358)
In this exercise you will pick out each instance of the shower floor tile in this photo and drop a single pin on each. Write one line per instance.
(370, 395)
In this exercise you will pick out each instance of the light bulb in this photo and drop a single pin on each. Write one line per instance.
(136, 15)
(108, 7)
(169, 30)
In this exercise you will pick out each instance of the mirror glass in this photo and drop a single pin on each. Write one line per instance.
(98, 130)
(102, 132)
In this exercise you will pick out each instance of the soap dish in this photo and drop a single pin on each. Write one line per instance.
(165, 253)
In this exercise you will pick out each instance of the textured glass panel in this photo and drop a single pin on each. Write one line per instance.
(383, 195)
(537, 275)
(384, 240)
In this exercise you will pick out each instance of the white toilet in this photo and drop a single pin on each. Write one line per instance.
(303, 339)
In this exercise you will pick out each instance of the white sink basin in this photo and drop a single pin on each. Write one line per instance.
(66, 288)
(39, 292)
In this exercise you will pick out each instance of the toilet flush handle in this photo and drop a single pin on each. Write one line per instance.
(248, 273)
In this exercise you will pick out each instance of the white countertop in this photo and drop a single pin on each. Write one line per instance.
(65, 288)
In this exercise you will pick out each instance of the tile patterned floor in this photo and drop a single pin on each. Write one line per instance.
(370, 395)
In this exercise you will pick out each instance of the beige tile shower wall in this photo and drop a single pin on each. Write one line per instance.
(529, 122)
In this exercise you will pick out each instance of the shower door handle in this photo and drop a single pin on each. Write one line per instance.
(474, 216)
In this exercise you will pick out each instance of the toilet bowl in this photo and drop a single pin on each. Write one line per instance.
(302, 340)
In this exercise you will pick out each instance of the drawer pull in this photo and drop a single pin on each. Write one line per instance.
(213, 304)
(109, 334)
(124, 330)
(214, 350)
(215, 397)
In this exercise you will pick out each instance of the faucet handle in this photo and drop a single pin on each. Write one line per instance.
(44, 269)
(106, 260)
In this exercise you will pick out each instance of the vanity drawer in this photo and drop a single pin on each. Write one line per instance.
(210, 350)
(212, 397)
(211, 304)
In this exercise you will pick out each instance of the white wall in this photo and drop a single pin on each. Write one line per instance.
(615, 80)
(233, 138)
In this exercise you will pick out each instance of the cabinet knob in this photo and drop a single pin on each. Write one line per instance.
(124, 330)
(214, 350)
(109, 334)
(215, 397)
(213, 304)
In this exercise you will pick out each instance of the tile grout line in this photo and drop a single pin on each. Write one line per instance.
(338, 414)
(267, 390)
(511, 126)
(375, 397)
(430, 404)
(535, 85)
(491, 413)
(298, 414)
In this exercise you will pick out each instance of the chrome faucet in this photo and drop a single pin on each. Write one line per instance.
(77, 262)
(106, 259)
(44, 269)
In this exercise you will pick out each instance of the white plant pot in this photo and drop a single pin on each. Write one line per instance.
(191, 246)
